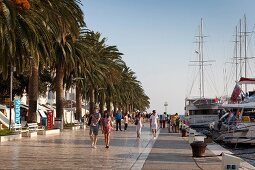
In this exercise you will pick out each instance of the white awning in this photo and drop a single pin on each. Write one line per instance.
(42, 113)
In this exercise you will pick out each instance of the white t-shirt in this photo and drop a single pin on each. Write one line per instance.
(154, 119)
(163, 117)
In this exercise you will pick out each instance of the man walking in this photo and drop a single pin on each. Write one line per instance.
(118, 117)
(154, 123)
(94, 126)
(164, 117)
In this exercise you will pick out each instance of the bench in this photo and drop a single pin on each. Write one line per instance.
(16, 127)
(34, 127)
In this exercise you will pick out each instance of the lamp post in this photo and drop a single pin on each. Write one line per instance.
(11, 80)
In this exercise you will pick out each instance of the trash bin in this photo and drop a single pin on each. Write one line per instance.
(184, 132)
(44, 121)
(58, 123)
(198, 148)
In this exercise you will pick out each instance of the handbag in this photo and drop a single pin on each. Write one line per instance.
(89, 121)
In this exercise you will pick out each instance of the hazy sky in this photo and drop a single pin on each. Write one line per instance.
(157, 38)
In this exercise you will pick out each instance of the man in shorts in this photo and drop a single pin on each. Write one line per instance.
(94, 126)
(154, 123)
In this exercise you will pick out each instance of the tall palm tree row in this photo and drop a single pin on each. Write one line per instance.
(51, 35)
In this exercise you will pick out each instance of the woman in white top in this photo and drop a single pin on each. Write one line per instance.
(154, 123)
(138, 123)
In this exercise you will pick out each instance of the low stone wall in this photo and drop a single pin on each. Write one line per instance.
(10, 137)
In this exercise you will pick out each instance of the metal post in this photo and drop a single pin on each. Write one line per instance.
(71, 104)
(11, 76)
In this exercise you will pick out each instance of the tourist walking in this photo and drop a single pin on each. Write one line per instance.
(154, 123)
(94, 126)
(164, 118)
(173, 121)
(126, 118)
(138, 123)
(118, 117)
(160, 121)
(177, 122)
(106, 123)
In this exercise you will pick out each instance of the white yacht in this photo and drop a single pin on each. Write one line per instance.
(200, 112)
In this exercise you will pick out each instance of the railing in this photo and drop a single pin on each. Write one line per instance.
(202, 119)
(4, 119)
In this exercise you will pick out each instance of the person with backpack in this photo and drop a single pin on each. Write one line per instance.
(118, 117)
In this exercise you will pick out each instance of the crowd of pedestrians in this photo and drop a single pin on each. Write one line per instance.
(105, 121)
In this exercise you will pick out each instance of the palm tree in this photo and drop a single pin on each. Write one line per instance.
(66, 19)
(21, 35)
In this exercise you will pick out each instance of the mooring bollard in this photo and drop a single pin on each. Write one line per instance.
(198, 148)
(191, 137)
(184, 132)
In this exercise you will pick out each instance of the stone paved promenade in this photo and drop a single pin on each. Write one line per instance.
(72, 150)
(173, 152)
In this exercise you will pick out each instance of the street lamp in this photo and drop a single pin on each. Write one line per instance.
(11, 80)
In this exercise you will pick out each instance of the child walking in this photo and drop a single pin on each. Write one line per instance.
(126, 122)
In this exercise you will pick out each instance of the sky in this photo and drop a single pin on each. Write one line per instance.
(157, 38)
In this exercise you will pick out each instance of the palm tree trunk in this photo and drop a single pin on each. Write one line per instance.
(78, 103)
(91, 100)
(59, 90)
(108, 99)
(114, 107)
(33, 91)
(102, 102)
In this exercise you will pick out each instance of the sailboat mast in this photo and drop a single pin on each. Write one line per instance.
(240, 47)
(202, 58)
(245, 50)
(199, 62)
(236, 63)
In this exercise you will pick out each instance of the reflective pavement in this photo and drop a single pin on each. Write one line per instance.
(72, 150)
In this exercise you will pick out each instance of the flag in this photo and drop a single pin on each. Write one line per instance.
(216, 100)
(236, 92)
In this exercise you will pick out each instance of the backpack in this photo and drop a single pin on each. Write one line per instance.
(136, 121)
(89, 121)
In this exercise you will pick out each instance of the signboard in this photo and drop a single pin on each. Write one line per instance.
(49, 119)
(17, 110)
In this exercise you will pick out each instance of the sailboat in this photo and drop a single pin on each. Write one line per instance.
(237, 123)
(201, 111)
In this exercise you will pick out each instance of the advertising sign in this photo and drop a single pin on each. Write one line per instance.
(49, 119)
(17, 110)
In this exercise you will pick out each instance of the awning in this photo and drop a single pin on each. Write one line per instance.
(244, 80)
(41, 112)
(24, 106)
